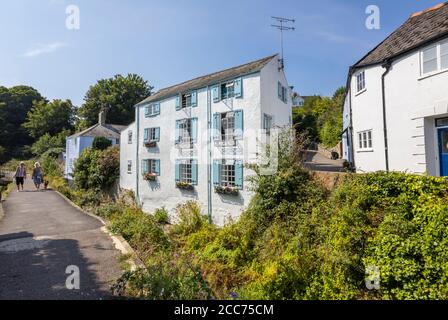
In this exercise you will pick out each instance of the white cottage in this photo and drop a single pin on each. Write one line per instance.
(75, 144)
(192, 140)
(396, 108)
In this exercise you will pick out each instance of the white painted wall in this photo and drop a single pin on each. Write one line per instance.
(412, 103)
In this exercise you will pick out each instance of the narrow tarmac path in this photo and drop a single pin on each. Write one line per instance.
(41, 235)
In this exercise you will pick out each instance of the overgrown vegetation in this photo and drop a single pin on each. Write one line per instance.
(297, 241)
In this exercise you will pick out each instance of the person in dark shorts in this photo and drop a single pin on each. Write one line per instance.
(20, 175)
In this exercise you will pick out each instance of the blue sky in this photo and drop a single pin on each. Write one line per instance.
(169, 41)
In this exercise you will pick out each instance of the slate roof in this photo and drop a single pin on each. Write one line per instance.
(107, 131)
(209, 79)
(420, 29)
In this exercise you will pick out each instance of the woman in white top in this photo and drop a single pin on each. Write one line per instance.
(20, 175)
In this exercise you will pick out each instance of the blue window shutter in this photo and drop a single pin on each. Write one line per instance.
(217, 126)
(157, 167)
(194, 172)
(156, 109)
(194, 130)
(238, 88)
(178, 102)
(146, 135)
(239, 124)
(194, 99)
(215, 94)
(217, 173)
(157, 134)
(239, 174)
(177, 132)
(145, 167)
(177, 175)
(146, 111)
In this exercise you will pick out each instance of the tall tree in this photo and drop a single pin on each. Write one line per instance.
(15, 103)
(52, 118)
(117, 96)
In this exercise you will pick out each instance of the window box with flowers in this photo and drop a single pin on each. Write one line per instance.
(184, 185)
(150, 144)
(148, 176)
(227, 190)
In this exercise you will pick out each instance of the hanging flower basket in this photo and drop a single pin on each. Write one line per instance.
(227, 190)
(150, 176)
(150, 144)
(184, 185)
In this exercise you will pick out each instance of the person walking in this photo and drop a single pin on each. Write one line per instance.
(37, 175)
(20, 175)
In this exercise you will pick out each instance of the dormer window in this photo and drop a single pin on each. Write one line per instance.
(361, 82)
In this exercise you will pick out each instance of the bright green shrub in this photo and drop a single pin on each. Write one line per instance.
(101, 143)
(190, 219)
(161, 216)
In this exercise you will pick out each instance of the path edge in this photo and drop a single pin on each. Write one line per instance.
(119, 242)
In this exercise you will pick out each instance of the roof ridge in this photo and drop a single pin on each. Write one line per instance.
(216, 72)
(436, 7)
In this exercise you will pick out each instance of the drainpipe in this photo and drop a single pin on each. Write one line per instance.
(352, 141)
(137, 162)
(387, 65)
(209, 157)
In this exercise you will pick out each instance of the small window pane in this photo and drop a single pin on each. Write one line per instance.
(360, 140)
(444, 55)
(430, 60)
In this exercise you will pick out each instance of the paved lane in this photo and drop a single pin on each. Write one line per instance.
(40, 236)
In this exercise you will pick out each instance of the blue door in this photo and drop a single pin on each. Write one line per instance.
(443, 151)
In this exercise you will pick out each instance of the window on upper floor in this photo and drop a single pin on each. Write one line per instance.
(152, 110)
(152, 136)
(434, 58)
(360, 81)
(129, 166)
(186, 131)
(365, 140)
(130, 137)
(228, 126)
(267, 123)
(187, 100)
(228, 90)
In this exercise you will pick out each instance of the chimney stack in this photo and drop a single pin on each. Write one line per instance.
(102, 118)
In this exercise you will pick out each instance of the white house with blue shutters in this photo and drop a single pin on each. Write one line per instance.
(191, 141)
(78, 142)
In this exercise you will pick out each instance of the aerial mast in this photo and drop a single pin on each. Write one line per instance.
(282, 26)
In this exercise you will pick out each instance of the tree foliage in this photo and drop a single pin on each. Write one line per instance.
(97, 169)
(48, 142)
(117, 95)
(49, 118)
(15, 103)
(321, 118)
(101, 143)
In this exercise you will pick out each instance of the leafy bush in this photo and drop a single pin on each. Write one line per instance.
(161, 216)
(48, 142)
(190, 219)
(97, 170)
(101, 143)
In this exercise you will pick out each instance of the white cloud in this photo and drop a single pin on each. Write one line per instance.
(43, 49)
